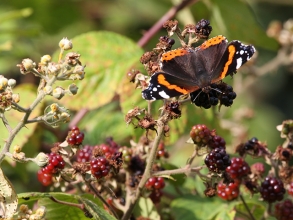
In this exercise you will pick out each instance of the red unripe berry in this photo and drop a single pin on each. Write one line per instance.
(228, 192)
(238, 168)
(44, 178)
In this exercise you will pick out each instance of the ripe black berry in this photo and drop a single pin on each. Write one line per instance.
(228, 191)
(217, 160)
(272, 189)
(217, 142)
(238, 168)
(100, 167)
(284, 210)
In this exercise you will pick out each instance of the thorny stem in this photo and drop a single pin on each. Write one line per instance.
(185, 170)
(22, 123)
(148, 170)
(246, 207)
(95, 191)
(170, 14)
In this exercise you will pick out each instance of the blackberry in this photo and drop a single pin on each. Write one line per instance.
(75, 137)
(228, 192)
(205, 99)
(272, 189)
(104, 150)
(55, 164)
(217, 160)
(162, 152)
(44, 177)
(155, 196)
(200, 135)
(227, 94)
(100, 167)
(84, 154)
(284, 210)
(137, 165)
(203, 28)
(155, 183)
(238, 168)
(217, 142)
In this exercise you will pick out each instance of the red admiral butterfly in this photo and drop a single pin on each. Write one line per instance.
(187, 70)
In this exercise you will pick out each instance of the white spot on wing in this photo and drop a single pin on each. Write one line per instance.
(239, 63)
(164, 95)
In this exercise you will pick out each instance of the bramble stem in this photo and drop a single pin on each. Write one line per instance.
(148, 170)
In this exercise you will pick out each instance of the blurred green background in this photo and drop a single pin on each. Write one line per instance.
(33, 28)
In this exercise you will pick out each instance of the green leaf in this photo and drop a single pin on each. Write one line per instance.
(196, 208)
(65, 212)
(256, 208)
(235, 19)
(146, 208)
(96, 211)
(108, 57)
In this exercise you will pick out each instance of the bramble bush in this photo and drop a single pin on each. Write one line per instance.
(132, 176)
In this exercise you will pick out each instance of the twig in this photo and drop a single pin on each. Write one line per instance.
(186, 170)
(170, 14)
(95, 191)
(80, 114)
(246, 206)
(148, 170)
(22, 123)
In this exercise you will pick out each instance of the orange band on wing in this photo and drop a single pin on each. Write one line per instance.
(173, 53)
(162, 81)
(231, 50)
(213, 41)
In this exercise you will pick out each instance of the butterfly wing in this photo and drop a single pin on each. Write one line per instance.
(163, 86)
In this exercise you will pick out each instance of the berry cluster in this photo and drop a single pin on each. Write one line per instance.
(84, 154)
(284, 210)
(238, 168)
(208, 97)
(156, 184)
(45, 174)
(75, 137)
(100, 167)
(203, 28)
(228, 191)
(201, 135)
(272, 189)
(217, 160)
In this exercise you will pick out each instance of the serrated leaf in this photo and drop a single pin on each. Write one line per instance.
(108, 57)
(235, 19)
(27, 93)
